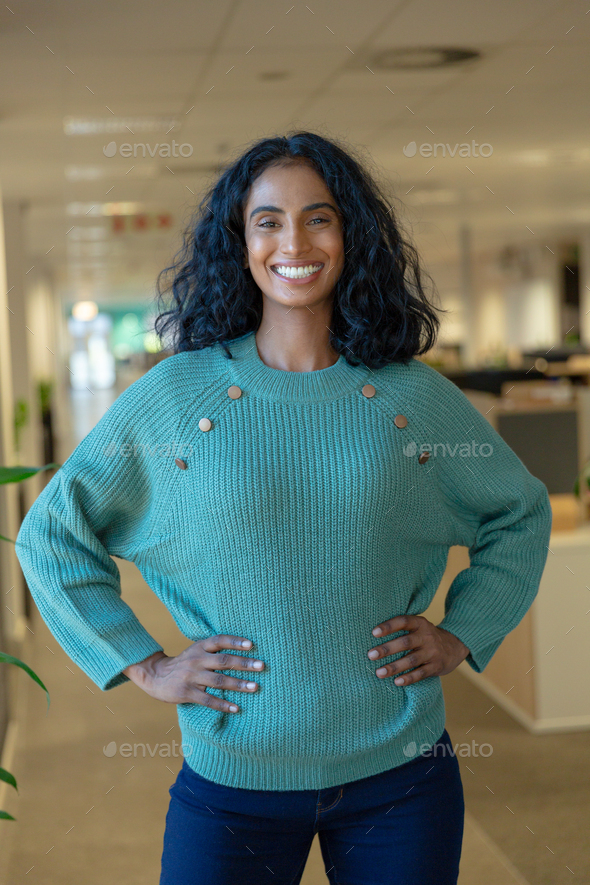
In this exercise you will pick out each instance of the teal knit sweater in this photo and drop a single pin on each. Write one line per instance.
(307, 513)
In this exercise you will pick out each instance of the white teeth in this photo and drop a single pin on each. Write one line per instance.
(297, 272)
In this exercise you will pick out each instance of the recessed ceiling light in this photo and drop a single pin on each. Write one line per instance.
(91, 173)
(420, 58)
(195, 169)
(552, 156)
(113, 125)
(534, 158)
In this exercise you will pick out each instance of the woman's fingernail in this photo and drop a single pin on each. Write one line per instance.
(233, 708)
(381, 671)
(373, 654)
(377, 631)
(246, 643)
(251, 685)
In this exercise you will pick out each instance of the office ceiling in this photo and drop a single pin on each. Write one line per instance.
(218, 74)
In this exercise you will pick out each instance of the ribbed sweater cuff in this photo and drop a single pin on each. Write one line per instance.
(474, 636)
(129, 644)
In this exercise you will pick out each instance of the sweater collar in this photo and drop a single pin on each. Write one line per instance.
(250, 373)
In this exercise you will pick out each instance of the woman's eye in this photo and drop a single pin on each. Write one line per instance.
(317, 218)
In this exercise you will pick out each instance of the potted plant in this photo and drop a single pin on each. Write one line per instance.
(18, 474)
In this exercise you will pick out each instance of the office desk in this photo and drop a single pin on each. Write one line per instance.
(540, 673)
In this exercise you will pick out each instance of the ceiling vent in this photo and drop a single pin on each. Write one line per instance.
(417, 58)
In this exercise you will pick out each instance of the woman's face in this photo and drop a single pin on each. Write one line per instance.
(291, 220)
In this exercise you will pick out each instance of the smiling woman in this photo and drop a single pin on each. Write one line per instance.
(292, 202)
(299, 537)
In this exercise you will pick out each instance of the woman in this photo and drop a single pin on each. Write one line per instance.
(289, 482)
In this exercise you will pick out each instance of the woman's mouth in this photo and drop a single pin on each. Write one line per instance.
(297, 274)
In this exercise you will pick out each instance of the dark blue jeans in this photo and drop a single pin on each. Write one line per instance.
(401, 827)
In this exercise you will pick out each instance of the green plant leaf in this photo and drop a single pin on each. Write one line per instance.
(4, 538)
(44, 391)
(9, 659)
(17, 474)
(4, 815)
(8, 778)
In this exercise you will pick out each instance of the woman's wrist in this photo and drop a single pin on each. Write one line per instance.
(143, 671)
(462, 649)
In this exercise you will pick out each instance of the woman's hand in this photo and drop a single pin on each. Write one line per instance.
(434, 651)
(184, 679)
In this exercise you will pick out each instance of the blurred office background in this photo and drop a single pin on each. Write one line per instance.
(113, 119)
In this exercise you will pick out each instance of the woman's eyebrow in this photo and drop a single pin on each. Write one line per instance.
(309, 208)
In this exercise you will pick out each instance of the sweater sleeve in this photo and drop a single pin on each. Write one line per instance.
(503, 515)
(96, 504)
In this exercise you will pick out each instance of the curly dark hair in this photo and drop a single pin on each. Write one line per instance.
(380, 311)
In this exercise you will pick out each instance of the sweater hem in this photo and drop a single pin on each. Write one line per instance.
(224, 765)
